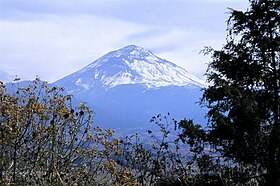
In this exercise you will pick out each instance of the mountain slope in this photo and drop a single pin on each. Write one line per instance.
(131, 65)
(126, 87)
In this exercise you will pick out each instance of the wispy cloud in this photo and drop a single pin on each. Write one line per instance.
(56, 46)
(53, 38)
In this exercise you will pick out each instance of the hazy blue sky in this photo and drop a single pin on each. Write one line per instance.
(53, 38)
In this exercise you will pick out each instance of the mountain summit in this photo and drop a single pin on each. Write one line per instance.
(131, 65)
(127, 87)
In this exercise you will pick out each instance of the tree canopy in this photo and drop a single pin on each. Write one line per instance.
(243, 97)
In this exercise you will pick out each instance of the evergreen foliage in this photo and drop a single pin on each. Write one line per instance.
(243, 97)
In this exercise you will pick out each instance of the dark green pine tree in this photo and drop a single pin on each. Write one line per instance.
(244, 93)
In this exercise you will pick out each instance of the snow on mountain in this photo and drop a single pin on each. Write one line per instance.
(131, 65)
(127, 87)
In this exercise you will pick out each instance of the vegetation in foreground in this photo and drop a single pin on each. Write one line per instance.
(46, 141)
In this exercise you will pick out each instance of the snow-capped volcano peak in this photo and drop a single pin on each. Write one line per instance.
(132, 65)
(133, 51)
(128, 53)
